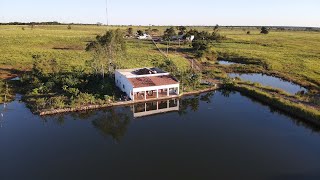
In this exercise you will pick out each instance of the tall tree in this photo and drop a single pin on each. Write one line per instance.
(168, 34)
(107, 50)
(216, 28)
(182, 30)
(264, 30)
(130, 31)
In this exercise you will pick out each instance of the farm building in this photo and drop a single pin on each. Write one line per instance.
(144, 36)
(146, 83)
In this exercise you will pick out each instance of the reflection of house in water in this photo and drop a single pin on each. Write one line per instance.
(155, 107)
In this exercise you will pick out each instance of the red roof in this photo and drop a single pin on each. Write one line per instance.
(152, 81)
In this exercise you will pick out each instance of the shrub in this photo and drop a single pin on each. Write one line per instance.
(40, 103)
(83, 99)
(57, 102)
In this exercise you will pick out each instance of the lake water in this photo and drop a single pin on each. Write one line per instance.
(227, 62)
(267, 80)
(221, 135)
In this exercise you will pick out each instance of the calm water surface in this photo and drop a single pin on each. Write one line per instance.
(270, 81)
(227, 62)
(221, 135)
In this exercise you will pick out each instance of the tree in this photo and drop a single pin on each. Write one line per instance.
(112, 124)
(140, 33)
(216, 28)
(182, 30)
(154, 31)
(130, 31)
(168, 33)
(107, 50)
(43, 67)
(32, 26)
(264, 30)
(148, 31)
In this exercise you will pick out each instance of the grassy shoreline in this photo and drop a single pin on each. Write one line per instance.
(46, 112)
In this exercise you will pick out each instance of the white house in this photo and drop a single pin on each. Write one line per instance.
(146, 83)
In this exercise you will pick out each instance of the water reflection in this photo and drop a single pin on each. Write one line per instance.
(112, 123)
(155, 107)
(3, 111)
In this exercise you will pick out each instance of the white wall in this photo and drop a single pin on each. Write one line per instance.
(122, 80)
(155, 88)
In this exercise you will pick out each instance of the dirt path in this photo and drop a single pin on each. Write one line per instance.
(193, 62)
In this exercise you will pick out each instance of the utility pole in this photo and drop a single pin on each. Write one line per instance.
(107, 12)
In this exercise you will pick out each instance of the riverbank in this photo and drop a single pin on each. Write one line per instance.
(121, 103)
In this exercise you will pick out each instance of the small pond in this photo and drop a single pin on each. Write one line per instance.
(267, 80)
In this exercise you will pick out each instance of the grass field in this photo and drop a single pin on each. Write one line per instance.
(295, 54)
(67, 47)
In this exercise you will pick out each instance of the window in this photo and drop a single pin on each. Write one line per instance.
(124, 87)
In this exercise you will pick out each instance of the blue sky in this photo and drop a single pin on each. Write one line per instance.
(166, 12)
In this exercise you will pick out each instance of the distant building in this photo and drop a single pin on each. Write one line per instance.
(183, 38)
(146, 83)
(145, 36)
(190, 38)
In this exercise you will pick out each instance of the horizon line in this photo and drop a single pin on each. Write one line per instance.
(167, 25)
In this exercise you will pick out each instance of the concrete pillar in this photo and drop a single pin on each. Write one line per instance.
(178, 91)
(145, 95)
(168, 92)
(132, 96)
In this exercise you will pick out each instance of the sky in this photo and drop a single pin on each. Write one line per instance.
(166, 12)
